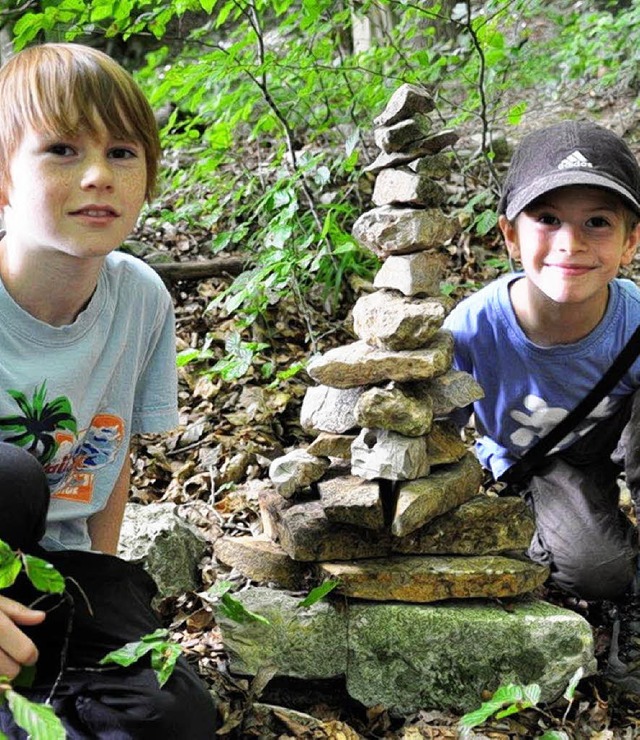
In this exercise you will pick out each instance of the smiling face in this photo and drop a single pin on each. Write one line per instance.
(80, 195)
(571, 243)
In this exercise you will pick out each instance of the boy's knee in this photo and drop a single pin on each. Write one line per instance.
(595, 577)
(183, 709)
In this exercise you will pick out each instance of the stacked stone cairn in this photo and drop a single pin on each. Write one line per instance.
(386, 500)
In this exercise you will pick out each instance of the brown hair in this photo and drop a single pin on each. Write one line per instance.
(62, 89)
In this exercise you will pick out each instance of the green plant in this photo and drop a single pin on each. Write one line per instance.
(39, 720)
(163, 652)
(514, 698)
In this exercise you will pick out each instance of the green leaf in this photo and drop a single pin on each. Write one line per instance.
(10, 565)
(163, 660)
(317, 593)
(516, 112)
(128, 654)
(510, 699)
(43, 575)
(237, 612)
(575, 680)
(37, 720)
(25, 678)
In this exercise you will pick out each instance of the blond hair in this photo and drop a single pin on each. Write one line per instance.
(62, 89)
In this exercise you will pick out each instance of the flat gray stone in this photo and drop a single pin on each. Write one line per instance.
(332, 445)
(482, 526)
(426, 578)
(412, 274)
(411, 657)
(405, 102)
(398, 186)
(403, 135)
(360, 364)
(348, 499)
(261, 560)
(326, 409)
(381, 453)
(390, 320)
(305, 532)
(448, 391)
(393, 408)
(421, 500)
(389, 230)
(296, 470)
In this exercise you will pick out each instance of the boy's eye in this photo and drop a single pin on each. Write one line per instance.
(598, 222)
(62, 150)
(123, 152)
(548, 219)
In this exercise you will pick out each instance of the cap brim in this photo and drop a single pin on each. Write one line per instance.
(564, 178)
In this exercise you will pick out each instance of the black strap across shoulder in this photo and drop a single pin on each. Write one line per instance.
(535, 455)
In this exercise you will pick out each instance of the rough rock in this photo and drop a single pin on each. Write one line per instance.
(360, 364)
(393, 408)
(448, 391)
(406, 134)
(405, 102)
(412, 657)
(296, 470)
(424, 579)
(261, 560)
(291, 639)
(328, 409)
(332, 445)
(347, 499)
(167, 547)
(388, 230)
(420, 501)
(403, 186)
(437, 166)
(380, 453)
(444, 445)
(389, 320)
(429, 147)
(485, 525)
(412, 274)
(305, 532)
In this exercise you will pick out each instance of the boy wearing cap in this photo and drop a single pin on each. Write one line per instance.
(539, 340)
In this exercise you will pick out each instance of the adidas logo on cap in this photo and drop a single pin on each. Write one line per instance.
(575, 159)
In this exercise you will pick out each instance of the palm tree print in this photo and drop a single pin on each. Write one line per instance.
(35, 429)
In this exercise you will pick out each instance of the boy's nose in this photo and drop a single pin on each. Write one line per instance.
(569, 239)
(97, 174)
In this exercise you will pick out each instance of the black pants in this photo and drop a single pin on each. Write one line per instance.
(110, 605)
(590, 546)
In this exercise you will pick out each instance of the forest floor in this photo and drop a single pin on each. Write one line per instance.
(214, 466)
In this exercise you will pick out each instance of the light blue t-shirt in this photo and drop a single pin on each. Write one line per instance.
(73, 395)
(528, 388)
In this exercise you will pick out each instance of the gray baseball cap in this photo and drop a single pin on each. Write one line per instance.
(570, 153)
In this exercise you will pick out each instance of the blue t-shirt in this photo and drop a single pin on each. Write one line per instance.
(73, 395)
(528, 388)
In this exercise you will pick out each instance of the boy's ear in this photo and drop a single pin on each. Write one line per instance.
(631, 245)
(510, 234)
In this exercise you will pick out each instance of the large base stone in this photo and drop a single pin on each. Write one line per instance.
(409, 657)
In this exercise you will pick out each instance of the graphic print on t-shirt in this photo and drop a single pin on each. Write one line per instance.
(49, 431)
(540, 418)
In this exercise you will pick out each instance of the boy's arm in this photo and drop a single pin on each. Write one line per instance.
(104, 527)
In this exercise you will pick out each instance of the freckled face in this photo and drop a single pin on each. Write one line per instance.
(571, 242)
(80, 196)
